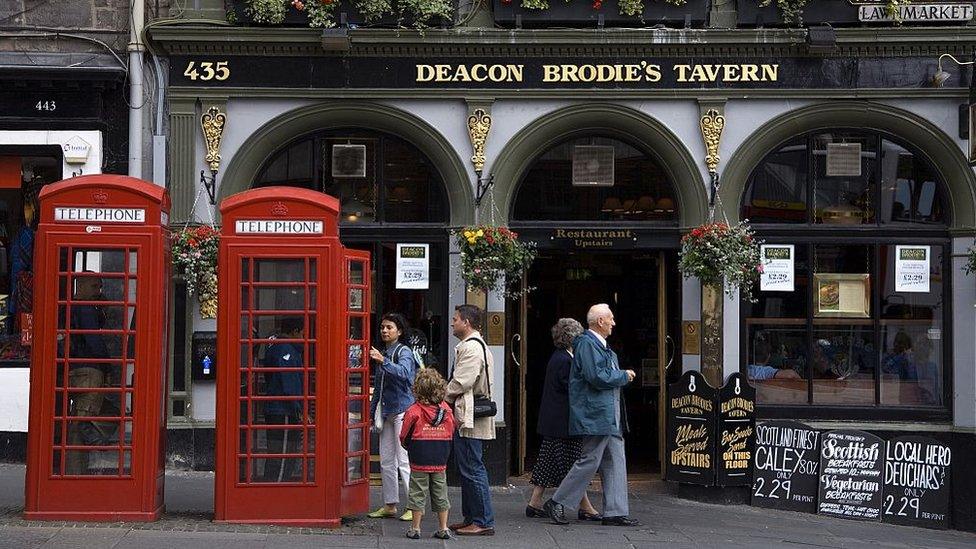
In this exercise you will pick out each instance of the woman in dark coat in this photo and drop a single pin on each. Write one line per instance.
(558, 452)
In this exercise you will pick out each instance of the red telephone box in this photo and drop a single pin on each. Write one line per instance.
(292, 378)
(98, 372)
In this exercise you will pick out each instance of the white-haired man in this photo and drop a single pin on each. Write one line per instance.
(596, 415)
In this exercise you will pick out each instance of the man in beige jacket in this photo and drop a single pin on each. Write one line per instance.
(472, 377)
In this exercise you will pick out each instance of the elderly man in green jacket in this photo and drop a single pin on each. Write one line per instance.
(596, 415)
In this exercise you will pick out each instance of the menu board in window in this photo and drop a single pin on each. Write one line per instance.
(851, 475)
(842, 295)
(691, 430)
(786, 461)
(916, 482)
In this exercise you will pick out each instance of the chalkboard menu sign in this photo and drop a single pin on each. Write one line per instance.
(851, 475)
(691, 430)
(785, 464)
(916, 482)
(736, 423)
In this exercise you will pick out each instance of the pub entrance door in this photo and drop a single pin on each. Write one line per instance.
(641, 287)
(293, 329)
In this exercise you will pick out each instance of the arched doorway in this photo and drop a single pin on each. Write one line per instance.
(604, 213)
(393, 199)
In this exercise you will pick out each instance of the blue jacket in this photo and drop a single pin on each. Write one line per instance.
(284, 355)
(396, 375)
(595, 380)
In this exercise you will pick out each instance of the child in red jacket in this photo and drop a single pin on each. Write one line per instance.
(427, 432)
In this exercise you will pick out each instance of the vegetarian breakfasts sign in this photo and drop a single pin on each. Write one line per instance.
(852, 467)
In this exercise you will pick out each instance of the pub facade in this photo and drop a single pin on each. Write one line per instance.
(845, 144)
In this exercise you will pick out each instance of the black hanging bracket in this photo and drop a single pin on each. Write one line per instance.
(713, 190)
(484, 185)
(210, 183)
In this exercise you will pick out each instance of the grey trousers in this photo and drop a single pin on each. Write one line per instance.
(604, 454)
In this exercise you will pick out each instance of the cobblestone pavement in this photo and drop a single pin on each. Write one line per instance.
(668, 521)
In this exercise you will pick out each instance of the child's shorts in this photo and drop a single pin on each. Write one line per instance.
(435, 484)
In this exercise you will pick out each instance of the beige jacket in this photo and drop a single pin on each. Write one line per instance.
(468, 380)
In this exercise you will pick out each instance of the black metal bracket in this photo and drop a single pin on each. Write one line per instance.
(713, 190)
(210, 183)
(484, 184)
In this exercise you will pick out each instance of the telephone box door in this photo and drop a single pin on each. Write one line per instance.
(355, 476)
(282, 335)
(98, 374)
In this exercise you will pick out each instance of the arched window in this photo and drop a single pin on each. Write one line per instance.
(864, 218)
(595, 179)
(390, 193)
(377, 177)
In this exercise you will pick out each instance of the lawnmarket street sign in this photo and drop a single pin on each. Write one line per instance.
(915, 13)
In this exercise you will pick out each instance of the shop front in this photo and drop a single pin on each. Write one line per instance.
(59, 118)
(603, 156)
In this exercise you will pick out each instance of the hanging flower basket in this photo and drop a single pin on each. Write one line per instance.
(492, 258)
(194, 252)
(719, 254)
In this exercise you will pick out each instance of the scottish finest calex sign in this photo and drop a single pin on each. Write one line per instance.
(736, 424)
(851, 475)
(786, 459)
(916, 482)
(691, 430)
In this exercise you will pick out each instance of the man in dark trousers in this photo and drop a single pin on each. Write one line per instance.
(285, 354)
(596, 414)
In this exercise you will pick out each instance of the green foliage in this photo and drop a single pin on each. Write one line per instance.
(719, 254)
(492, 258)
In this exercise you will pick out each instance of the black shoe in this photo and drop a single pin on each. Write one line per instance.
(533, 512)
(556, 512)
(583, 515)
(620, 521)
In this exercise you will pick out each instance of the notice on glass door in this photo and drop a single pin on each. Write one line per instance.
(412, 266)
(912, 269)
(777, 262)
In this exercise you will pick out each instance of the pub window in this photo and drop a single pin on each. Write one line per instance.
(596, 178)
(851, 337)
(377, 177)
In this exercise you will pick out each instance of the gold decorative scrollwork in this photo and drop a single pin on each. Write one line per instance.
(212, 123)
(479, 125)
(712, 123)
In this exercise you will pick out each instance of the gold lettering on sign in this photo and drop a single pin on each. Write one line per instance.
(643, 71)
(474, 73)
(691, 443)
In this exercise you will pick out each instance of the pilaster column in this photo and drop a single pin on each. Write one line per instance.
(182, 185)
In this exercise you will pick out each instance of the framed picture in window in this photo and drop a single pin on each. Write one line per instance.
(842, 295)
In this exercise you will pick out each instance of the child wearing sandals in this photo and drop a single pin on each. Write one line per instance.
(428, 428)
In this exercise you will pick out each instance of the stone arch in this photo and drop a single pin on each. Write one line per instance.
(270, 137)
(944, 154)
(616, 121)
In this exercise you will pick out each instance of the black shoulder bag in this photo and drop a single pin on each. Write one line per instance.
(484, 406)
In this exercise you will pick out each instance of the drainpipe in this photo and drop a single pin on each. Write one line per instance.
(136, 99)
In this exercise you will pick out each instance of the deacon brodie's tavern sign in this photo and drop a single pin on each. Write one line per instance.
(516, 73)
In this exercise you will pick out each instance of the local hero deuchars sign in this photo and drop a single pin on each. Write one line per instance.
(638, 72)
(277, 226)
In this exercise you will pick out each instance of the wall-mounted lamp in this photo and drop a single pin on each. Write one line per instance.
(941, 76)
